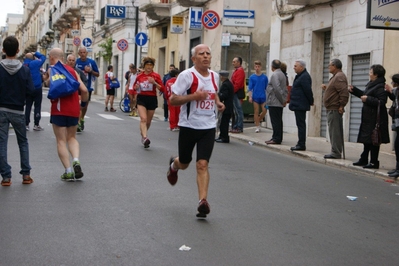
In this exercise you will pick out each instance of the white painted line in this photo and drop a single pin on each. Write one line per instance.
(110, 117)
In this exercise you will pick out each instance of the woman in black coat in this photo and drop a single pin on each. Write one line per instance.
(373, 94)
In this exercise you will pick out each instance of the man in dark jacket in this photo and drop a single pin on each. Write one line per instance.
(301, 100)
(15, 85)
(226, 95)
(35, 61)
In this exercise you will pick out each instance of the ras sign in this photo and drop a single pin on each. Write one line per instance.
(112, 11)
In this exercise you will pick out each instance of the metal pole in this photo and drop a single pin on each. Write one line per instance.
(136, 29)
(342, 136)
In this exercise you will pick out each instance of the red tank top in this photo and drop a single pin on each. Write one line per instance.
(68, 105)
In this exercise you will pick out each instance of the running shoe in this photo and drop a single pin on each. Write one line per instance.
(257, 130)
(131, 113)
(203, 208)
(37, 128)
(106, 109)
(79, 129)
(27, 128)
(172, 174)
(146, 142)
(77, 169)
(82, 125)
(68, 177)
(112, 110)
(175, 129)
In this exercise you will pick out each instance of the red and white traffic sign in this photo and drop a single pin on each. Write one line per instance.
(122, 45)
(76, 41)
(210, 19)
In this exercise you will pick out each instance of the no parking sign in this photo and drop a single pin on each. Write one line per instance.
(210, 19)
(122, 45)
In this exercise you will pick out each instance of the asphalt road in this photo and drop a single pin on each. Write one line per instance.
(266, 208)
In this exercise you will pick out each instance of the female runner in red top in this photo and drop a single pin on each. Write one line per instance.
(147, 83)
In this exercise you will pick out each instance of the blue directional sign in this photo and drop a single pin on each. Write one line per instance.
(230, 13)
(141, 39)
(87, 42)
(195, 15)
(112, 11)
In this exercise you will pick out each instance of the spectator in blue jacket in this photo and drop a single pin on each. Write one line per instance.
(301, 100)
(34, 61)
(15, 86)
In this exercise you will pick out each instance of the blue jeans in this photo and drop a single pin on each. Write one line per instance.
(238, 113)
(18, 123)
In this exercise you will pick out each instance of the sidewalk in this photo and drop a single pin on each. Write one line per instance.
(316, 148)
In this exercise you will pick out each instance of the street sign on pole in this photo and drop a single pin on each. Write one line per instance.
(210, 19)
(225, 39)
(87, 42)
(122, 45)
(76, 41)
(195, 15)
(141, 39)
(176, 24)
(239, 18)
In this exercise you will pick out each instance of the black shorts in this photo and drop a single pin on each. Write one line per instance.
(111, 92)
(188, 138)
(89, 95)
(64, 121)
(149, 102)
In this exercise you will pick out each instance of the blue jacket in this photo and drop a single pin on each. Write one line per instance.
(34, 67)
(301, 92)
(15, 85)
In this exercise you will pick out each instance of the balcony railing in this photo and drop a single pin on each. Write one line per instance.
(157, 9)
(65, 14)
(188, 3)
(306, 2)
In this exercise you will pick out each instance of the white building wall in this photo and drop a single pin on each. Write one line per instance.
(347, 22)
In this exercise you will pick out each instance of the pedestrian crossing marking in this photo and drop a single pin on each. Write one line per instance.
(44, 114)
(110, 117)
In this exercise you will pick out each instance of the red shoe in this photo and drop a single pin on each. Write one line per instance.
(203, 208)
(172, 174)
(6, 182)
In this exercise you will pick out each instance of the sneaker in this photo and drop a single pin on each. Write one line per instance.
(131, 113)
(27, 128)
(26, 179)
(135, 114)
(172, 174)
(82, 125)
(112, 110)
(37, 128)
(175, 129)
(6, 182)
(77, 169)
(146, 142)
(79, 129)
(106, 109)
(203, 208)
(257, 130)
(68, 177)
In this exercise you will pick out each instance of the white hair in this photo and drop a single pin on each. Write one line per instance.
(301, 62)
(194, 49)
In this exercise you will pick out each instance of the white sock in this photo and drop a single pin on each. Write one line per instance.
(68, 170)
(75, 159)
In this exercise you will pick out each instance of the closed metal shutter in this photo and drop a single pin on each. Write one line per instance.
(360, 77)
(326, 77)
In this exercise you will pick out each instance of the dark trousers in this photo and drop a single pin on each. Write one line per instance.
(373, 150)
(224, 126)
(300, 117)
(397, 150)
(165, 109)
(36, 97)
(276, 117)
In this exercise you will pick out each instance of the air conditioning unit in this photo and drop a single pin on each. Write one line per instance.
(68, 46)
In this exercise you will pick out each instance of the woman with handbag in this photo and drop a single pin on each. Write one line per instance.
(109, 78)
(374, 117)
(393, 94)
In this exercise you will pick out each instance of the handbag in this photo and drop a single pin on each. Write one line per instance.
(289, 94)
(240, 94)
(114, 84)
(62, 83)
(376, 133)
